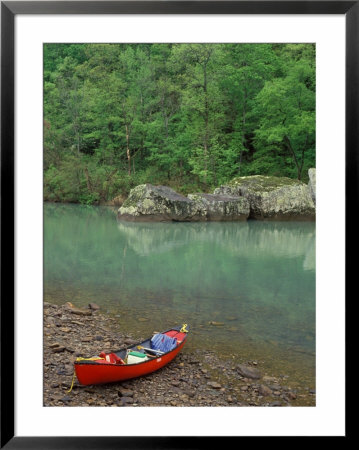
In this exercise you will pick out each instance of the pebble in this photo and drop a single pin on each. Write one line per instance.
(126, 400)
(81, 312)
(248, 372)
(214, 385)
(65, 330)
(264, 390)
(94, 306)
(58, 349)
(125, 393)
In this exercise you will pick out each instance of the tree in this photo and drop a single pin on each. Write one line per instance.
(245, 69)
(286, 107)
(192, 116)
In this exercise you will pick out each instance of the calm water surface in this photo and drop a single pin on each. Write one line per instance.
(257, 279)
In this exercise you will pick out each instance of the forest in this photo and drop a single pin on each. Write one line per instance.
(188, 116)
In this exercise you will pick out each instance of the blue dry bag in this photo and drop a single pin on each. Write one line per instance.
(163, 342)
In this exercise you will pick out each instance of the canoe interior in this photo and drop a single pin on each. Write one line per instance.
(122, 353)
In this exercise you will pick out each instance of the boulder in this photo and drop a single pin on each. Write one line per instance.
(156, 203)
(219, 207)
(272, 198)
(160, 203)
(312, 183)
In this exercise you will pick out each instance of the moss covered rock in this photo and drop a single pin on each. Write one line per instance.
(312, 183)
(272, 198)
(156, 203)
(160, 203)
(219, 207)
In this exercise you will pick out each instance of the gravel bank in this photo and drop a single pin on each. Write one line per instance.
(197, 378)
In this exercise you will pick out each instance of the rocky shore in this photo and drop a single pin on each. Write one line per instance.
(197, 378)
(252, 197)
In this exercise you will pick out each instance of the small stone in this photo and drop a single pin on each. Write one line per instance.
(275, 404)
(81, 312)
(55, 344)
(232, 318)
(90, 390)
(126, 400)
(190, 394)
(69, 305)
(125, 392)
(214, 385)
(264, 390)
(268, 379)
(248, 372)
(94, 306)
(58, 349)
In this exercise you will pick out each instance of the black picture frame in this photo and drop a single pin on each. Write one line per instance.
(9, 9)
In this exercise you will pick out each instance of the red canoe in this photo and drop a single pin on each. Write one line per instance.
(122, 364)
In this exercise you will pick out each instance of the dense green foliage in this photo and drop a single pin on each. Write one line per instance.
(190, 116)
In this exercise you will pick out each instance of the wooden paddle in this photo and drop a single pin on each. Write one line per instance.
(150, 350)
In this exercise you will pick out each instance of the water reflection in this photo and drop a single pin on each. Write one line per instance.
(265, 239)
(257, 278)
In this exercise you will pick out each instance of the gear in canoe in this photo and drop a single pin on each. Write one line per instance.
(133, 361)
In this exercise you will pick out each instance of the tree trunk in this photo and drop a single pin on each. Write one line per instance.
(128, 149)
(206, 120)
(299, 169)
(88, 180)
(244, 111)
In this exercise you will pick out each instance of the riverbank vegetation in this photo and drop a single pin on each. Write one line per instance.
(189, 116)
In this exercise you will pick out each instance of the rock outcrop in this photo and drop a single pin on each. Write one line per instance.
(254, 197)
(272, 198)
(160, 203)
(156, 203)
(312, 184)
(219, 207)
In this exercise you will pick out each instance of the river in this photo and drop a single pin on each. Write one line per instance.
(246, 290)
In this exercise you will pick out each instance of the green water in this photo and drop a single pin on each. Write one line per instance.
(256, 279)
